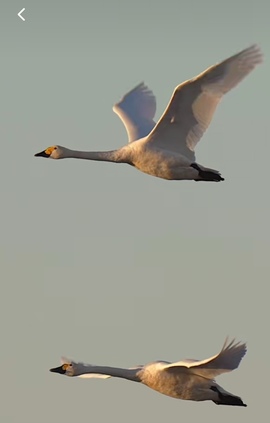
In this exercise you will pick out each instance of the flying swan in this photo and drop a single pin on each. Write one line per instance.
(188, 379)
(166, 149)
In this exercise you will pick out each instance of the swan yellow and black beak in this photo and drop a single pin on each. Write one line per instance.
(46, 153)
(61, 369)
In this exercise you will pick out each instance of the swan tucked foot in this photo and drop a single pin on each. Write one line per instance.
(227, 399)
(207, 174)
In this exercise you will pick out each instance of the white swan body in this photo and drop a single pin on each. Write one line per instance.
(187, 379)
(166, 149)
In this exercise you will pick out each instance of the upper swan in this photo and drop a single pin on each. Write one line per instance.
(166, 149)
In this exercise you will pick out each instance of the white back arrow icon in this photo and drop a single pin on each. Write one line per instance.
(20, 14)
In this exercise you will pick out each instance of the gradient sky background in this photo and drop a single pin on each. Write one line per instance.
(107, 265)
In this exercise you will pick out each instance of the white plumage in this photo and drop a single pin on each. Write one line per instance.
(166, 150)
(187, 379)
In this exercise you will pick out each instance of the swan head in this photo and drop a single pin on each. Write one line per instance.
(67, 368)
(53, 152)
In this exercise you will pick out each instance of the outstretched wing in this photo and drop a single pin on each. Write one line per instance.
(227, 360)
(137, 110)
(194, 102)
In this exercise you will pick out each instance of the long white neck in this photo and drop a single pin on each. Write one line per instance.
(99, 371)
(115, 156)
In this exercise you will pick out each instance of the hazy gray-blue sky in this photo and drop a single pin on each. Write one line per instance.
(107, 265)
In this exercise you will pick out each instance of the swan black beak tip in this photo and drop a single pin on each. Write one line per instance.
(59, 370)
(42, 154)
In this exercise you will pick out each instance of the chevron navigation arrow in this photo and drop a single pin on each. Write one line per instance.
(20, 14)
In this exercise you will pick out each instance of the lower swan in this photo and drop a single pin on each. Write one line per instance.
(188, 379)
